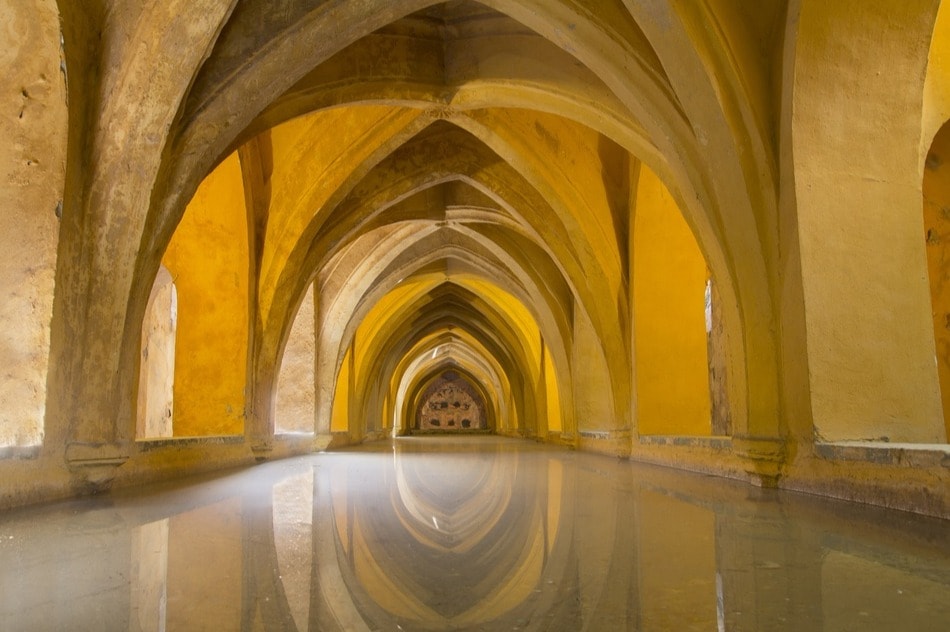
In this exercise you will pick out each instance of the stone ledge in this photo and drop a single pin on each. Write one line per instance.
(683, 440)
(905, 454)
(146, 445)
(18, 452)
(81, 455)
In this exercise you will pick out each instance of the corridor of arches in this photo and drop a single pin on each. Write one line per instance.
(712, 235)
(709, 235)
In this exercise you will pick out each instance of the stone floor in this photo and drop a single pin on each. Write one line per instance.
(474, 533)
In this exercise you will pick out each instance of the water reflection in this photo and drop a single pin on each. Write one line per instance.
(469, 533)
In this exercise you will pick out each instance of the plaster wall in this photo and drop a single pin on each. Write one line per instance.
(340, 421)
(296, 383)
(309, 171)
(553, 402)
(867, 305)
(33, 126)
(593, 405)
(669, 285)
(208, 259)
(937, 85)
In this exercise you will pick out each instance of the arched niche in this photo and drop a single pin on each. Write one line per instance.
(209, 258)
(296, 382)
(157, 368)
(429, 357)
(673, 345)
(449, 402)
(936, 203)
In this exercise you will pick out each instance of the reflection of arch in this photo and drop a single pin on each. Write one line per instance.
(449, 401)
(415, 500)
(514, 530)
(157, 368)
(936, 198)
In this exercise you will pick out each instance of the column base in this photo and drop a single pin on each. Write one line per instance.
(763, 458)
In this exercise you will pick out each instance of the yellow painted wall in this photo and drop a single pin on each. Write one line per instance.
(340, 421)
(669, 280)
(937, 84)
(208, 259)
(308, 169)
(868, 326)
(936, 188)
(550, 389)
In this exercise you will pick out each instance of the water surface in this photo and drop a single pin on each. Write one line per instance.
(477, 533)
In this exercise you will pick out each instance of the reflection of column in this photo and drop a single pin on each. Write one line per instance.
(677, 561)
(331, 606)
(771, 574)
(619, 604)
(148, 576)
(204, 565)
(293, 532)
(594, 544)
(263, 594)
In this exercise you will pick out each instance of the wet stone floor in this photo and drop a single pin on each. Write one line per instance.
(474, 533)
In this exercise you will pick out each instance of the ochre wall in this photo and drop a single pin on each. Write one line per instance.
(937, 85)
(551, 392)
(669, 284)
(937, 233)
(33, 128)
(856, 127)
(340, 421)
(208, 259)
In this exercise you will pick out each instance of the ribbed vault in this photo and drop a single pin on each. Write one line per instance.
(552, 197)
(474, 141)
(465, 93)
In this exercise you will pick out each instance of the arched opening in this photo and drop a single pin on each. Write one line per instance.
(936, 196)
(296, 382)
(208, 258)
(154, 418)
(459, 351)
(679, 336)
(449, 403)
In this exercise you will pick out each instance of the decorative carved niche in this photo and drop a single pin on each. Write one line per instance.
(451, 404)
